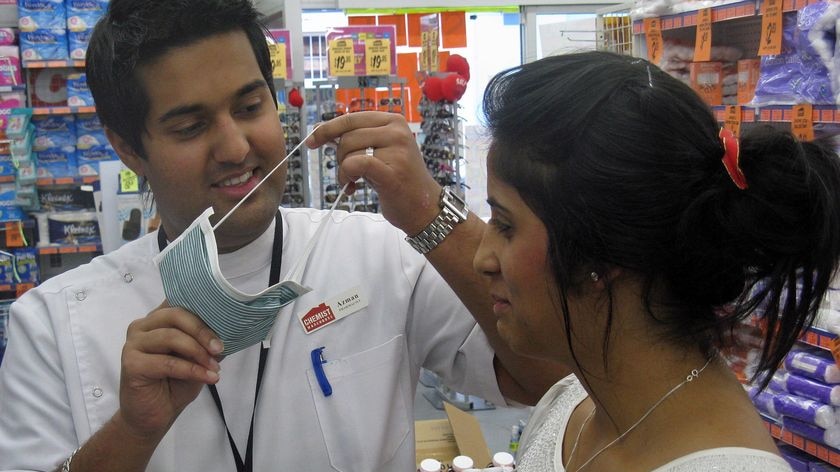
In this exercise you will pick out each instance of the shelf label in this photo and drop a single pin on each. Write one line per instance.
(278, 60)
(771, 28)
(14, 234)
(378, 56)
(653, 38)
(732, 119)
(341, 57)
(835, 349)
(129, 182)
(802, 122)
(703, 38)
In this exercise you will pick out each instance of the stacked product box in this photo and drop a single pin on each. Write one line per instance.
(55, 146)
(43, 30)
(92, 147)
(82, 15)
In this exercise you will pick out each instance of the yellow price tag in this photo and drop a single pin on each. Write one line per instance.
(341, 57)
(378, 57)
(278, 60)
(129, 183)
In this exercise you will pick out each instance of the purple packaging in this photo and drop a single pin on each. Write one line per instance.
(829, 437)
(798, 460)
(813, 365)
(804, 409)
(815, 466)
(780, 74)
(763, 401)
(812, 389)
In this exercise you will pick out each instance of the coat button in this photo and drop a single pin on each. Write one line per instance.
(81, 295)
(128, 278)
(97, 392)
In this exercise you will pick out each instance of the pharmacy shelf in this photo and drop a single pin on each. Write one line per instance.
(780, 113)
(19, 289)
(819, 338)
(62, 110)
(50, 182)
(820, 451)
(720, 13)
(69, 249)
(52, 64)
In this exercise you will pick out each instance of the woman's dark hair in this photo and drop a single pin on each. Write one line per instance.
(135, 32)
(622, 163)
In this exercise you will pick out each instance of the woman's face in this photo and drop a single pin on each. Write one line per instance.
(513, 259)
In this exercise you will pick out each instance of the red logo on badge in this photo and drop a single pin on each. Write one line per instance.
(317, 317)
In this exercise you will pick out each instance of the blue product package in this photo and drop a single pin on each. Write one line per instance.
(11, 213)
(57, 162)
(798, 460)
(41, 14)
(44, 45)
(817, 466)
(54, 124)
(781, 74)
(6, 270)
(90, 133)
(77, 42)
(54, 132)
(816, 84)
(7, 167)
(8, 194)
(73, 228)
(88, 159)
(83, 14)
(78, 93)
(26, 262)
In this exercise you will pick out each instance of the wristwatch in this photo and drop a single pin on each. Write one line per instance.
(453, 210)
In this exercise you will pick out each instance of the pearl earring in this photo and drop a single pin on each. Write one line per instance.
(594, 276)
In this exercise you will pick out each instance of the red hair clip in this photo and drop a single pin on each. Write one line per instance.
(731, 158)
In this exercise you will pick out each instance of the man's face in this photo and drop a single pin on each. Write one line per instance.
(212, 135)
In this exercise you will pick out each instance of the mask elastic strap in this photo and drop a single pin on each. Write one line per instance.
(264, 180)
(297, 271)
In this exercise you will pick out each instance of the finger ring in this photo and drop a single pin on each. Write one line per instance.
(369, 151)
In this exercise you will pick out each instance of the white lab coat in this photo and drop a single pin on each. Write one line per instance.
(59, 382)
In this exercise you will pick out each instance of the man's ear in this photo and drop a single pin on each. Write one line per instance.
(127, 154)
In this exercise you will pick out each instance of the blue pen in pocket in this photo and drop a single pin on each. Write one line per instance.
(318, 362)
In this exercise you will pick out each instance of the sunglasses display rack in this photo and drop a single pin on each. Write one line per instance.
(297, 193)
(441, 143)
(390, 96)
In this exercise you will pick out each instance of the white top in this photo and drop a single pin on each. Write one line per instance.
(541, 443)
(59, 381)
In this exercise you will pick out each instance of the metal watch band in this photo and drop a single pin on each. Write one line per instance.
(452, 212)
(65, 466)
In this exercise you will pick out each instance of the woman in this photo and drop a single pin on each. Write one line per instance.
(623, 220)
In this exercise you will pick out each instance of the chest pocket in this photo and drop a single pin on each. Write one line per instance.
(366, 419)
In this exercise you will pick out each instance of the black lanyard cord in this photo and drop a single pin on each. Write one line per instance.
(274, 277)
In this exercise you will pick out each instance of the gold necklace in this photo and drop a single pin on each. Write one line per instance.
(691, 376)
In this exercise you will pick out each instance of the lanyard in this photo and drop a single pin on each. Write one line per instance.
(274, 277)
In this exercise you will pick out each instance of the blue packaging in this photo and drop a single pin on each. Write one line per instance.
(7, 274)
(798, 460)
(83, 14)
(78, 43)
(52, 132)
(7, 167)
(41, 14)
(26, 262)
(57, 162)
(90, 133)
(73, 228)
(8, 194)
(88, 159)
(78, 93)
(44, 45)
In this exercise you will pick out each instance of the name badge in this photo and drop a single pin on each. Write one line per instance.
(332, 310)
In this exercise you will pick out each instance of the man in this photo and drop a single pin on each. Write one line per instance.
(98, 362)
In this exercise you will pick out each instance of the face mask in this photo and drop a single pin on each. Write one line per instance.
(192, 279)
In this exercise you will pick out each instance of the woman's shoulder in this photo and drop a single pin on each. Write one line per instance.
(723, 459)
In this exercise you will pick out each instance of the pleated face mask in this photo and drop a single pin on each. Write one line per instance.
(193, 280)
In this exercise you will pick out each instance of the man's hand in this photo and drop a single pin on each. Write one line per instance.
(167, 358)
(408, 194)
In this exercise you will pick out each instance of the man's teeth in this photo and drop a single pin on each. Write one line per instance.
(237, 180)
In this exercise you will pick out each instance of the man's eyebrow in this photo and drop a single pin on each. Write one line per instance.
(195, 108)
